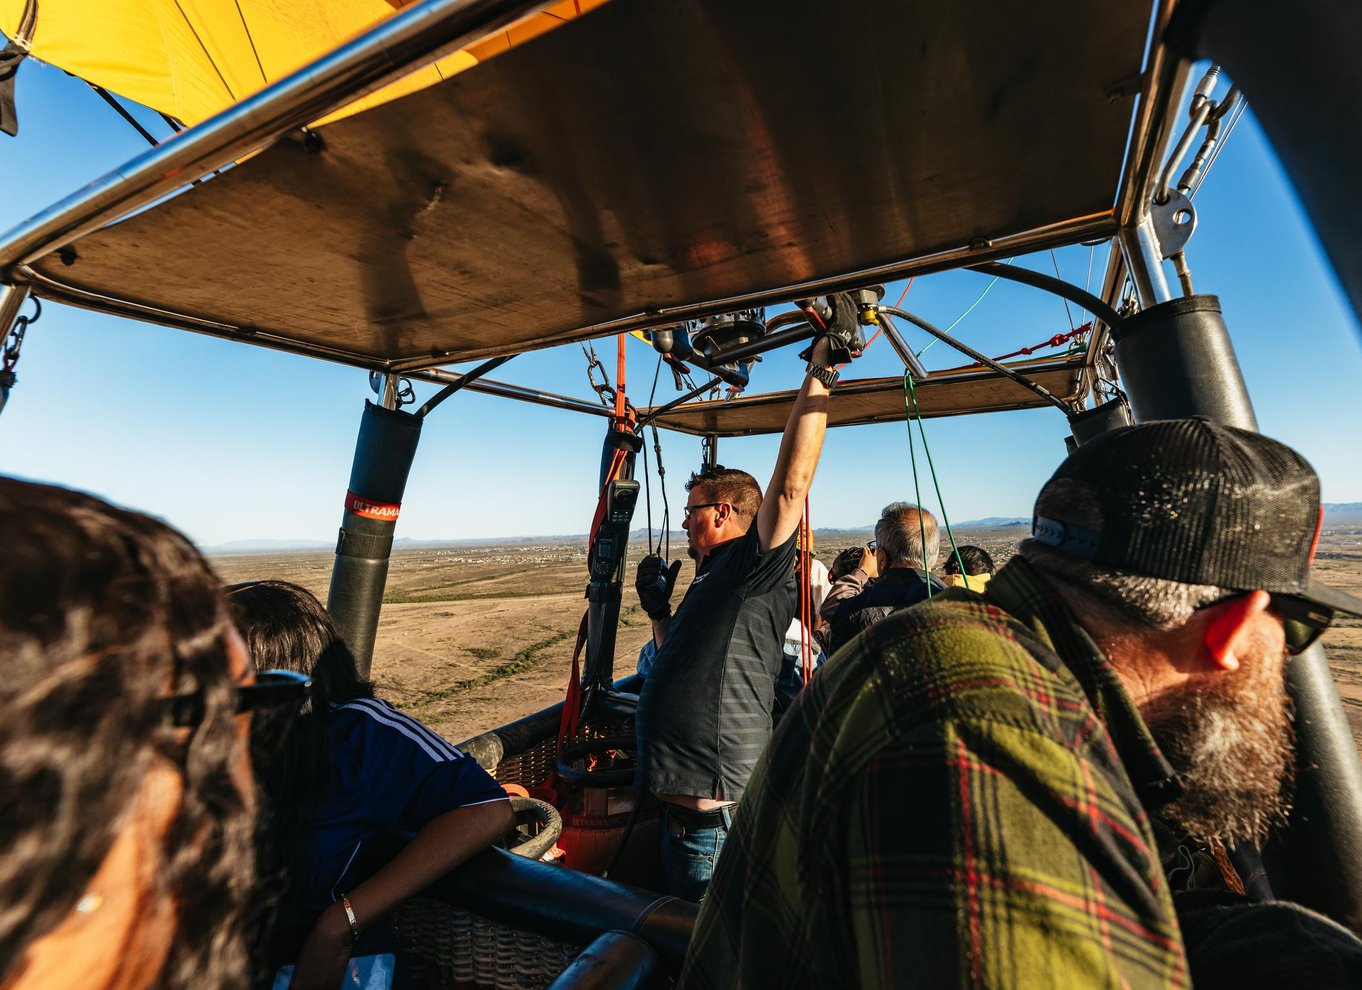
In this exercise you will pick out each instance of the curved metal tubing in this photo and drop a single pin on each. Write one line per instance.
(970, 352)
(1144, 262)
(519, 392)
(1049, 283)
(652, 414)
(404, 42)
(464, 381)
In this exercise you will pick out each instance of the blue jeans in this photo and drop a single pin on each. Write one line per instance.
(689, 855)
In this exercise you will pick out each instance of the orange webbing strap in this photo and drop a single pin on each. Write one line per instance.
(620, 399)
(806, 594)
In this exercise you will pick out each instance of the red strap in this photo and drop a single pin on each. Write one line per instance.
(1055, 341)
(572, 702)
(806, 595)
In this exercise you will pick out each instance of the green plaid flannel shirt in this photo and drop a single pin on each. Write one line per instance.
(950, 804)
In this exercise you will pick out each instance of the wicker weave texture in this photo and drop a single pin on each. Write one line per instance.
(451, 948)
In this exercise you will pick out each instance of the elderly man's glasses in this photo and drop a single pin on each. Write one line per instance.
(702, 505)
(273, 691)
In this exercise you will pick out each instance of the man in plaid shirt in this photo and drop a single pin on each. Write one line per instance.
(963, 796)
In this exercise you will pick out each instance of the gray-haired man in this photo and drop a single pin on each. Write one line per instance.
(906, 547)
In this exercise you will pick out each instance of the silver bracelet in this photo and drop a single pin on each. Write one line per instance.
(350, 917)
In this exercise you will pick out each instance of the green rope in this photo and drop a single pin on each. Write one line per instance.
(910, 393)
(917, 491)
(954, 322)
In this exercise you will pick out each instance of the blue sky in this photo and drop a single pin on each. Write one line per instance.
(229, 442)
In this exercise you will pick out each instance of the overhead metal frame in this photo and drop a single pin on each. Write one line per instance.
(877, 400)
(979, 238)
(1100, 225)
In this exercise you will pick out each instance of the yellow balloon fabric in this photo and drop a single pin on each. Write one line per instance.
(193, 58)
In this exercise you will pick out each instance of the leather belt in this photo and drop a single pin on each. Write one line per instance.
(695, 820)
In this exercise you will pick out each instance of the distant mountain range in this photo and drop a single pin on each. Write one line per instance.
(1346, 514)
(1343, 513)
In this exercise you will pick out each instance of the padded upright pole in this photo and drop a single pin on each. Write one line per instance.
(604, 590)
(383, 455)
(1176, 360)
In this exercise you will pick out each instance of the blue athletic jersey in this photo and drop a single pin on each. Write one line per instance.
(389, 773)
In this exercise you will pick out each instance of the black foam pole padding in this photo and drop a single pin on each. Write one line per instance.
(378, 478)
(615, 440)
(1297, 65)
(614, 961)
(1318, 858)
(1176, 360)
(1094, 422)
(383, 453)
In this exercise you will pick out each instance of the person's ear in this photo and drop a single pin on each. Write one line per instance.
(1228, 626)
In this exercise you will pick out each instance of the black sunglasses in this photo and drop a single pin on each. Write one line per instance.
(1303, 622)
(276, 690)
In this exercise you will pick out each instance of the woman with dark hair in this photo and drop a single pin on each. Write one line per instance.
(125, 815)
(352, 769)
(977, 571)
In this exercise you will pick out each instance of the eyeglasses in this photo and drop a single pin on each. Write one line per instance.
(702, 505)
(277, 690)
(1303, 622)
(873, 545)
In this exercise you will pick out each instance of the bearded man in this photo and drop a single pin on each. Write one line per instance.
(965, 794)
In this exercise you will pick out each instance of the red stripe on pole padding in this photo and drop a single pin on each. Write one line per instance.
(385, 511)
(1319, 527)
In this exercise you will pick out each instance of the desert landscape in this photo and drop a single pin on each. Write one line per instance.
(475, 636)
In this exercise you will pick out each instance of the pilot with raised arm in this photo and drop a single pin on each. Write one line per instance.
(704, 713)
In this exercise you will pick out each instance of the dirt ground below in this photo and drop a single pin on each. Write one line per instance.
(469, 638)
(474, 637)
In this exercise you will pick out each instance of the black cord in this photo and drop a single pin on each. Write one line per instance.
(970, 352)
(624, 839)
(647, 483)
(119, 109)
(648, 499)
(666, 537)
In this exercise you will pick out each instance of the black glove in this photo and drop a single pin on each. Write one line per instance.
(843, 330)
(654, 581)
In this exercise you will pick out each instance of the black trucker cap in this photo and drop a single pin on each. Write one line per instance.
(1193, 501)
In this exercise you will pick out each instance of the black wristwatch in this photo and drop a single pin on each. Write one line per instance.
(828, 376)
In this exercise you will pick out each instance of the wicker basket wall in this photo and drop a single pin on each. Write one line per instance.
(531, 767)
(454, 950)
